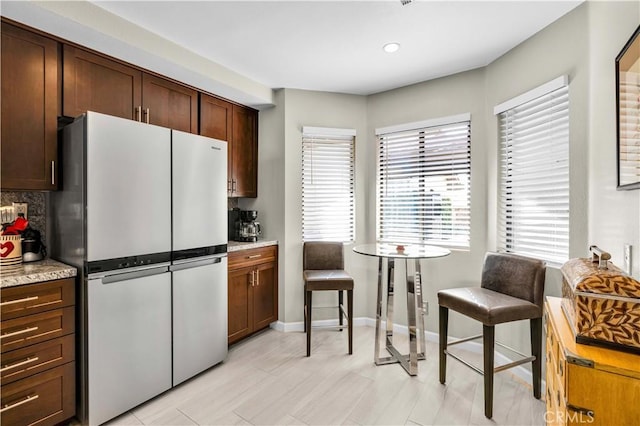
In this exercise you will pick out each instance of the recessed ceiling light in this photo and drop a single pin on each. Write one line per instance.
(391, 47)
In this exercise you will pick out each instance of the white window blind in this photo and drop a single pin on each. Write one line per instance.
(424, 175)
(328, 157)
(534, 177)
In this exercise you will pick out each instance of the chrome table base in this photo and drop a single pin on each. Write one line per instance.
(415, 317)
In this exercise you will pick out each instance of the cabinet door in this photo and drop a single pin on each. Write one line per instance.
(240, 316)
(215, 118)
(215, 122)
(265, 296)
(169, 104)
(29, 110)
(95, 83)
(244, 152)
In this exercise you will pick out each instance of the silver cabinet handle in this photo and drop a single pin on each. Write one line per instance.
(17, 333)
(233, 185)
(16, 404)
(258, 278)
(138, 113)
(253, 280)
(18, 364)
(53, 172)
(25, 299)
(254, 256)
(229, 185)
(147, 114)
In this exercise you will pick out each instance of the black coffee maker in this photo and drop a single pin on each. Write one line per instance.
(32, 247)
(247, 229)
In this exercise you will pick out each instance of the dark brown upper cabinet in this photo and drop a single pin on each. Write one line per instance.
(95, 83)
(215, 118)
(30, 102)
(169, 104)
(238, 126)
(244, 152)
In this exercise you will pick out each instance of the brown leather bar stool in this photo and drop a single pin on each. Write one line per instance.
(323, 270)
(511, 289)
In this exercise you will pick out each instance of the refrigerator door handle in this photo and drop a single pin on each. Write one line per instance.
(195, 264)
(133, 275)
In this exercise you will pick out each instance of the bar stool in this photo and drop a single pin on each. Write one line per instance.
(323, 270)
(511, 289)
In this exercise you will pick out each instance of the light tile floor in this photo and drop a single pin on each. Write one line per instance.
(267, 380)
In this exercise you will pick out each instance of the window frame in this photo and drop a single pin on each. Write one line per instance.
(422, 130)
(326, 135)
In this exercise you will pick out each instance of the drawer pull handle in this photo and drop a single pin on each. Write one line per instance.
(25, 299)
(17, 333)
(18, 364)
(16, 404)
(255, 256)
(258, 278)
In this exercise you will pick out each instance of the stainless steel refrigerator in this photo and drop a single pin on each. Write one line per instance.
(142, 215)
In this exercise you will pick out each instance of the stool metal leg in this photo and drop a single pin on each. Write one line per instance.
(488, 342)
(308, 297)
(443, 329)
(350, 319)
(535, 326)
(376, 349)
(340, 308)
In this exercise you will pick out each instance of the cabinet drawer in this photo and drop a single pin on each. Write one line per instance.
(36, 358)
(47, 398)
(24, 331)
(250, 257)
(33, 298)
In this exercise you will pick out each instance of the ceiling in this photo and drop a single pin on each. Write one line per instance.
(336, 46)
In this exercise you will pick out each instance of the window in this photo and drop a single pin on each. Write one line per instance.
(327, 184)
(424, 174)
(534, 173)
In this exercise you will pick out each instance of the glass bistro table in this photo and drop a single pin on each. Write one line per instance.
(388, 254)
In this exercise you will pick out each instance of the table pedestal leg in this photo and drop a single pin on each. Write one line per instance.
(416, 328)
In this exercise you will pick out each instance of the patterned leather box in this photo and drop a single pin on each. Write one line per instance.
(602, 305)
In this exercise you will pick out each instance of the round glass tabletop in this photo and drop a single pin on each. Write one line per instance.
(409, 251)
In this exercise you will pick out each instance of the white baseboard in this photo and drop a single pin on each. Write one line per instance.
(474, 347)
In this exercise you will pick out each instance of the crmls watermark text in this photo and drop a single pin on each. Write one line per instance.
(586, 417)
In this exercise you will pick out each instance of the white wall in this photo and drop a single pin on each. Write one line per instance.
(582, 45)
(614, 216)
(300, 108)
(460, 93)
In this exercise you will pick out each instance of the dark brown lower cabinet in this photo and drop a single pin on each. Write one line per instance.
(253, 291)
(38, 375)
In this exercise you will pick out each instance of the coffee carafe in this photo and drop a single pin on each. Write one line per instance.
(247, 229)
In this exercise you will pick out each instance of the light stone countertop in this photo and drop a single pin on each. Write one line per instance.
(236, 245)
(34, 272)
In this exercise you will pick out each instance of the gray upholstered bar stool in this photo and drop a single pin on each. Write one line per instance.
(511, 289)
(323, 270)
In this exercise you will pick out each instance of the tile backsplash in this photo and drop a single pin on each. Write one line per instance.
(36, 213)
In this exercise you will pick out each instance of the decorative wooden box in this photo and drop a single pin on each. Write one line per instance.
(601, 302)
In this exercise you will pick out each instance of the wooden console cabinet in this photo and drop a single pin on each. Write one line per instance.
(253, 291)
(587, 384)
(38, 353)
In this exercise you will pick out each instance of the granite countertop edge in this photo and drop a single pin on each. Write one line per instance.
(35, 272)
(237, 246)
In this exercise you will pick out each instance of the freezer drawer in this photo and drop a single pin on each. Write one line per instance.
(129, 341)
(199, 316)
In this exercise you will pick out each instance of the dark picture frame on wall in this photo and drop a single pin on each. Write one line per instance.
(628, 114)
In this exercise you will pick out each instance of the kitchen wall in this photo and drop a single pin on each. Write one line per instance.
(280, 189)
(583, 45)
